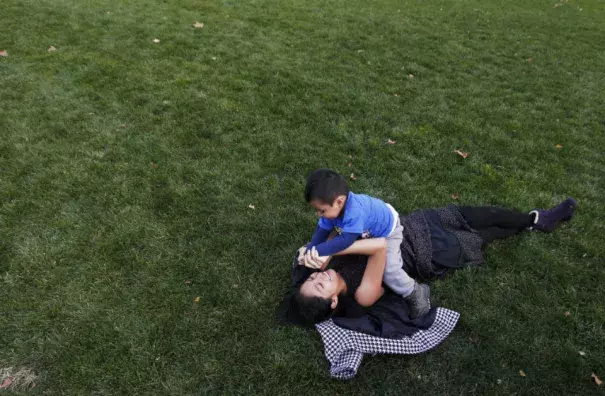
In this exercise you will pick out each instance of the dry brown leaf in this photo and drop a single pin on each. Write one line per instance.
(198, 25)
(51, 48)
(196, 300)
(187, 282)
(349, 164)
(251, 206)
(396, 95)
(391, 141)
(154, 165)
(596, 379)
(530, 60)
(156, 40)
(567, 313)
(559, 146)
(352, 177)
(9, 380)
(411, 76)
(3, 53)
(455, 196)
(522, 373)
(461, 153)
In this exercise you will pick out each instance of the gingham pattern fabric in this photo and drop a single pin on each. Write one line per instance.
(345, 348)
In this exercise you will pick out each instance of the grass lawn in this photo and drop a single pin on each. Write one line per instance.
(127, 168)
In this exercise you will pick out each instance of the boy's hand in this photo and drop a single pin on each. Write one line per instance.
(312, 259)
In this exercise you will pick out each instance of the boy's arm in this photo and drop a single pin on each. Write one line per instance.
(319, 236)
(337, 244)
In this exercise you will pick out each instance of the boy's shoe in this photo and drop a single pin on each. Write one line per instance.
(547, 220)
(419, 301)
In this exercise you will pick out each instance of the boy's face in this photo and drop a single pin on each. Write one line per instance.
(329, 211)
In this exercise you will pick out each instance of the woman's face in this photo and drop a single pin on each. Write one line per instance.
(321, 284)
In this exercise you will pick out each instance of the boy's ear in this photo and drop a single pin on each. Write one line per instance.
(334, 302)
(340, 200)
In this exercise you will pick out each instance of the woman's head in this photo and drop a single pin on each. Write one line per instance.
(317, 298)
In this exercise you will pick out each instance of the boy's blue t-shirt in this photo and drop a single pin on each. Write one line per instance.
(363, 215)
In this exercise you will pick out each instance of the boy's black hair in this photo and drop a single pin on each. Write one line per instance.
(325, 185)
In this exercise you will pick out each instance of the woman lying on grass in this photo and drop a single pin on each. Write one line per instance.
(435, 242)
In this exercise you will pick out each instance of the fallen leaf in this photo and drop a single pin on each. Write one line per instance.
(559, 146)
(396, 95)
(123, 126)
(156, 40)
(196, 300)
(461, 153)
(455, 196)
(391, 141)
(349, 164)
(187, 282)
(522, 373)
(596, 379)
(154, 165)
(52, 48)
(557, 5)
(9, 380)
(352, 177)
(582, 353)
(567, 313)
(251, 206)
(530, 60)
(198, 25)
(411, 76)
(3, 53)
(499, 381)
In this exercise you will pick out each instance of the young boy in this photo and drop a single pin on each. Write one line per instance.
(355, 216)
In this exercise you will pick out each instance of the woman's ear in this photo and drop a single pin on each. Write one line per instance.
(334, 302)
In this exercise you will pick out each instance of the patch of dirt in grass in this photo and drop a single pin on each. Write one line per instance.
(17, 379)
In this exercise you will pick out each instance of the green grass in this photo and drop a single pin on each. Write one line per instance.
(127, 168)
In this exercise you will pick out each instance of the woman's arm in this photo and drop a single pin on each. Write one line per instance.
(366, 247)
(371, 289)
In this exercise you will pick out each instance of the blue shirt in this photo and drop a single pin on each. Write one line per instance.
(370, 217)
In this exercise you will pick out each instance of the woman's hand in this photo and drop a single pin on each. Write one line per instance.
(301, 255)
(313, 260)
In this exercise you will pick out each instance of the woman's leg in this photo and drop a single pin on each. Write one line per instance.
(492, 233)
(489, 217)
(496, 223)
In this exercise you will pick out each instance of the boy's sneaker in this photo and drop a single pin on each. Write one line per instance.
(419, 301)
(547, 220)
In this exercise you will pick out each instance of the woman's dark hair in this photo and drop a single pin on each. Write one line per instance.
(305, 311)
(325, 185)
